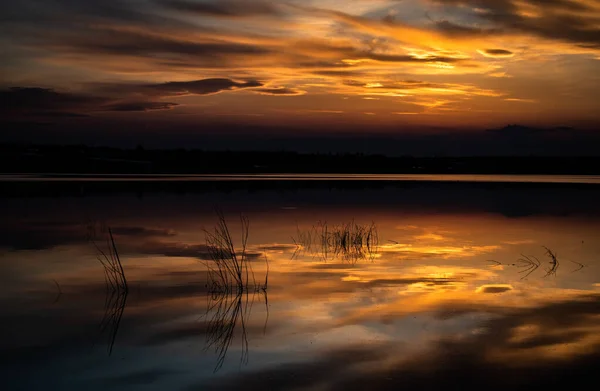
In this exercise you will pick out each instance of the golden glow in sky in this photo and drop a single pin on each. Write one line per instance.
(417, 62)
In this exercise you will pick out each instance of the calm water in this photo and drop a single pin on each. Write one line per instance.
(454, 288)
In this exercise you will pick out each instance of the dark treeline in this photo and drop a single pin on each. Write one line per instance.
(104, 160)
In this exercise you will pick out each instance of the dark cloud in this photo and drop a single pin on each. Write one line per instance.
(454, 29)
(202, 87)
(158, 48)
(128, 43)
(18, 100)
(551, 23)
(121, 29)
(526, 131)
(224, 8)
(139, 106)
(57, 114)
(45, 102)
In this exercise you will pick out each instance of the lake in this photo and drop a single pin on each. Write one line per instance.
(299, 282)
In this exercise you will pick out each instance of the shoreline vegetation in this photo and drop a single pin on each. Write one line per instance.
(80, 159)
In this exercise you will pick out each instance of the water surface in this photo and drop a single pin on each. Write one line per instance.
(445, 297)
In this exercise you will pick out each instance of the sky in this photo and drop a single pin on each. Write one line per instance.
(299, 66)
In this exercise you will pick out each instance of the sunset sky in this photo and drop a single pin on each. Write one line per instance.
(369, 64)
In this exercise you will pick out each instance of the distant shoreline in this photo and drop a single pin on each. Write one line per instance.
(84, 160)
(304, 177)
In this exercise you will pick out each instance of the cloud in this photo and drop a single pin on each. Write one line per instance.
(522, 131)
(124, 97)
(201, 87)
(126, 43)
(46, 102)
(139, 106)
(456, 30)
(564, 20)
(159, 50)
(224, 8)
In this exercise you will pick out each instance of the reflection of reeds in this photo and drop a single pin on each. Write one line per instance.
(230, 269)
(116, 286)
(114, 307)
(554, 263)
(227, 310)
(350, 242)
(528, 264)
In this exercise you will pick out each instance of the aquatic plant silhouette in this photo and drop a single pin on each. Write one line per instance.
(231, 278)
(230, 269)
(350, 242)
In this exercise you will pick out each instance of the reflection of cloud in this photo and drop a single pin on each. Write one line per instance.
(429, 236)
(494, 289)
(139, 378)
(519, 242)
(512, 351)
(38, 235)
(279, 91)
(496, 53)
(141, 231)
(181, 332)
(277, 247)
(178, 249)
(423, 251)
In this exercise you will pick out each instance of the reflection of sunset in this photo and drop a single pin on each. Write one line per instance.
(434, 281)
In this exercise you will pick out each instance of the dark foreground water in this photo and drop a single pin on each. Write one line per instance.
(483, 286)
